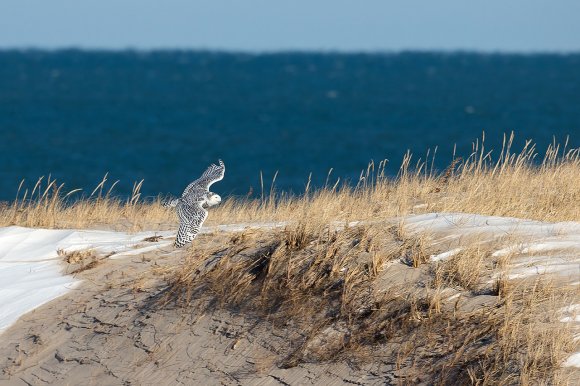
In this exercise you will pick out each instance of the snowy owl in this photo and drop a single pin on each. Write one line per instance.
(190, 207)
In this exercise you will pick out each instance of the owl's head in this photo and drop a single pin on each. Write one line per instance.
(213, 199)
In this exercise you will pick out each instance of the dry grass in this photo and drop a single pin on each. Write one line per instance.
(79, 261)
(515, 185)
(512, 185)
(45, 205)
(464, 269)
(324, 283)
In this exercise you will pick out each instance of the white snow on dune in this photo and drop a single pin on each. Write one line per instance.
(244, 226)
(466, 223)
(571, 313)
(31, 272)
(573, 360)
(446, 255)
(536, 248)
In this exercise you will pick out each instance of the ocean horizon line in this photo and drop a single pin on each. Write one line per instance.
(297, 51)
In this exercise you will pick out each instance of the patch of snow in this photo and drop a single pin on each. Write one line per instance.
(445, 255)
(31, 268)
(243, 226)
(570, 319)
(573, 360)
(453, 296)
(548, 244)
(139, 250)
(473, 224)
(572, 312)
(561, 240)
(541, 248)
(570, 270)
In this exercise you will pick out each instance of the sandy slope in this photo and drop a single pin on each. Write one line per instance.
(111, 330)
(31, 271)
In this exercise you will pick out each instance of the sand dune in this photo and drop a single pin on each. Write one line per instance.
(100, 325)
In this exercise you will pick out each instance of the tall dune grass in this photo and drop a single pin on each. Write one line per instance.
(512, 184)
(520, 184)
(46, 205)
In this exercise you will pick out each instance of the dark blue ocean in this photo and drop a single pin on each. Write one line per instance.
(164, 116)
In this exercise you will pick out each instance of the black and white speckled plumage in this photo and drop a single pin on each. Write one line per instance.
(213, 173)
(190, 207)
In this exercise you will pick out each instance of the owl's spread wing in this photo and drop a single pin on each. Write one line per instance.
(213, 173)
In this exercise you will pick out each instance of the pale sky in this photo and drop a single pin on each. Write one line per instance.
(272, 25)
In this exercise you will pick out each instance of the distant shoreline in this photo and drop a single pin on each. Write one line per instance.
(257, 53)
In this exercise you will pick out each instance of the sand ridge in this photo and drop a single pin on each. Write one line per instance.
(108, 331)
(115, 329)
